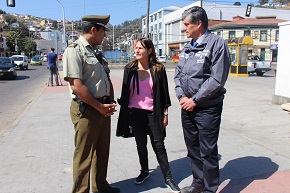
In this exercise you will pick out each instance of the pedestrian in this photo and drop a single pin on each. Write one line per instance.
(87, 73)
(200, 76)
(52, 66)
(144, 107)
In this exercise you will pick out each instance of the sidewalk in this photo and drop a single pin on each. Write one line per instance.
(254, 144)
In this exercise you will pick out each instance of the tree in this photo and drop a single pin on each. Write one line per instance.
(10, 19)
(30, 46)
(262, 2)
(54, 24)
(2, 12)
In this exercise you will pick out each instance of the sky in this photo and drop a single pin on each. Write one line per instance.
(120, 10)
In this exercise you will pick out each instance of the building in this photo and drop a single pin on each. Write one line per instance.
(263, 30)
(156, 28)
(176, 39)
(282, 88)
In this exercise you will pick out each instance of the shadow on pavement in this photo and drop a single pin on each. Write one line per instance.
(243, 171)
(180, 170)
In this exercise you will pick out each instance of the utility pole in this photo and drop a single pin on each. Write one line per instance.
(63, 24)
(113, 37)
(147, 22)
(84, 7)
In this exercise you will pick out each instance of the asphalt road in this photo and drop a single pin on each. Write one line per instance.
(16, 95)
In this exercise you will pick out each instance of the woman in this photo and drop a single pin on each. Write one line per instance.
(144, 108)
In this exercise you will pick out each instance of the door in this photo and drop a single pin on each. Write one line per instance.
(263, 52)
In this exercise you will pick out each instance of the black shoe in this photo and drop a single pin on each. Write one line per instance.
(192, 189)
(111, 189)
(172, 186)
(142, 177)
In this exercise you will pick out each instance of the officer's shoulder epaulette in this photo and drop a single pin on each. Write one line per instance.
(73, 45)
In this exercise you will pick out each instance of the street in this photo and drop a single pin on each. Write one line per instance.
(36, 153)
(16, 95)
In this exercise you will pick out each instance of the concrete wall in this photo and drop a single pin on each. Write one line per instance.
(282, 88)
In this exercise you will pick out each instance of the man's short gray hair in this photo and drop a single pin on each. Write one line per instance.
(195, 14)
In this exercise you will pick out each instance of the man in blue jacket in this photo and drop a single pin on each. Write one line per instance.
(200, 77)
(51, 65)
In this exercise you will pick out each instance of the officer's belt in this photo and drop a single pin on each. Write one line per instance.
(104, 100)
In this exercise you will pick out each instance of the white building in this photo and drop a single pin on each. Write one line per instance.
(176, 39)
(156, 28)
(282, 88)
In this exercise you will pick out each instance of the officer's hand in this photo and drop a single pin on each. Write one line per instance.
(108, 109)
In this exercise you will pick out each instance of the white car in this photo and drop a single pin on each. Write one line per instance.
(162, 59)
(20, 61)
(44, 59)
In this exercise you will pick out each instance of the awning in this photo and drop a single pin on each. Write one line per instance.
(274, 47)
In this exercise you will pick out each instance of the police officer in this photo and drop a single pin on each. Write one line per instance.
(92, 104)
(200, 77)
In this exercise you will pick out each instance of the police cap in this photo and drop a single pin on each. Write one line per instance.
(100, 20)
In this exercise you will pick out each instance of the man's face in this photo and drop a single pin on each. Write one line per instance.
(191, 30)
(99, 35)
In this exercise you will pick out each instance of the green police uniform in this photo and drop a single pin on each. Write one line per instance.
(92, 129)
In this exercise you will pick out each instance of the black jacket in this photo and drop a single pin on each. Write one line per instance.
(161, 100)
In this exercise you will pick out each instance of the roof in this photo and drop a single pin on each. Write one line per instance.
(239, 21)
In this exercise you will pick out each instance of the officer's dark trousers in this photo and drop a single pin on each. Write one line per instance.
(201, 129)
(142, 123)
(92, 143)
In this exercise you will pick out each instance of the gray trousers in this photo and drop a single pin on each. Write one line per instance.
(53, 71)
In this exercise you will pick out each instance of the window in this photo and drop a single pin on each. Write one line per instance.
(160, 15)
(255, 34)
(151, 18)
(277, 35)
(232, 34)
(160, 36)
(155, 27)
(218, 33)
(160, 25)
(247, 33)
(263, 35)
(155, 17)
(151, 28)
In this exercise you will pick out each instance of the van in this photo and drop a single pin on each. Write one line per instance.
(20, 61)
(162, 59)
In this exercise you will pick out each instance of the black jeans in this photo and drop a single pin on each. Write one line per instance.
(201, 130)
(142, 124)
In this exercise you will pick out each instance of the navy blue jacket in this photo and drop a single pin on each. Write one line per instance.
(202, 71)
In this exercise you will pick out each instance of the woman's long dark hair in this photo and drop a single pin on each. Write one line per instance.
(147, 43)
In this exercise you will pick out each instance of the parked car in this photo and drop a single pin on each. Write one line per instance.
(20, 61)
(162, 59)
(7, 68)
(59, 56)
(175, 59)
(35, 61)
(44, 58)
(256, 65)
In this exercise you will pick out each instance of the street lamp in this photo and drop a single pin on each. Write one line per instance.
(63, 24)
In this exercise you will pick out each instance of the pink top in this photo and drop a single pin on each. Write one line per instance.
(145, 98)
